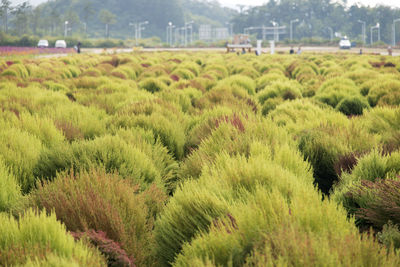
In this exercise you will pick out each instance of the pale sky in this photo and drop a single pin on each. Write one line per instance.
(233, 3)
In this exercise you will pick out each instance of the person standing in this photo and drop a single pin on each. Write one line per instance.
(299, 50)
(291, 50)
(78, 47)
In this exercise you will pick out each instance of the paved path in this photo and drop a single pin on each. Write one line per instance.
(307, 49)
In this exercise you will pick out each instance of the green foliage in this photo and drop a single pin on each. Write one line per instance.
(20, 152)
(152, 85)
(10, 191)
(352, 105)
(334, 90)
(36, 239)
(390, 235)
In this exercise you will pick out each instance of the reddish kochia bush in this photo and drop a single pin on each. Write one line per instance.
(346, 163)
(380, 202)
(234, 120)
(116, 256)
(104, 202)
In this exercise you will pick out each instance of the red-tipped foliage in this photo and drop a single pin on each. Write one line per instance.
(380, 202)
(116, 256)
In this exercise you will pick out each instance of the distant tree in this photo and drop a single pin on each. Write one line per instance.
(5, 8)
(54, 18)
(21, 17)
(107, 18)
(87, 12)
(36, 19)
(72, 17)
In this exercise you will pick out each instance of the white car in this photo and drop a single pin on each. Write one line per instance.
(61, 44)
(43, 44)
(345, 43)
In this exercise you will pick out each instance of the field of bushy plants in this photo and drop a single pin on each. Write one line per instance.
(200, 159)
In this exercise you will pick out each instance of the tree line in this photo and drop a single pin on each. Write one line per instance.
(112, 18)
(318, 18)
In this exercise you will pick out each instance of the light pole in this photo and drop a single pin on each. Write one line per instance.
(275, 24)
(186, 28)
(140, 28)
(169, 34)
(394, 31)
(65, 28)
(291, 28)
(135, 26)
(331, 33)
(363, 30)
(375, 27)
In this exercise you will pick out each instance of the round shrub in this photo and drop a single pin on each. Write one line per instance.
(104, 202)
(36, 239)
(20, 152)
(352, 105)
(241, 81)
(152, 85)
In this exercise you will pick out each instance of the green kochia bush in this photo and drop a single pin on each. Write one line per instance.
(334, 90)
(240, 81)
(251, 203)
(163, 118)
(20, 152)
(111, 152)
(36, 239)
(233, 135)
(354, 105)
(10, 191)
(152, 85)
(104, 202)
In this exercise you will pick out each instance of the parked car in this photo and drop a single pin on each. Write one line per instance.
(43, 44)
(345, 43)
(61, 44)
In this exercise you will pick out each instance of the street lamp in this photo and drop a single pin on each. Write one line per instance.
(186, 27)
(65, 28)
(140, 28)
(291, 28)
(379, 34)
(394, 31)
(135, 26)
(363, 30)
(169, 34)
(275, 24)
(331, 31)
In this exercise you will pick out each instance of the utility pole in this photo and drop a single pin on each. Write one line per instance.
(65, 28)
(140, 28)
(375, 27)
(363, 30)
(187, 24)
(331, 33)
(133, 25)
(276, 36)
(394, 31)
(291, 28)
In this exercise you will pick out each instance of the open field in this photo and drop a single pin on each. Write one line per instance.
(200, 158)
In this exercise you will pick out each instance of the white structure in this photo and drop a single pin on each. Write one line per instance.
(205, 32)
(221, 33)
